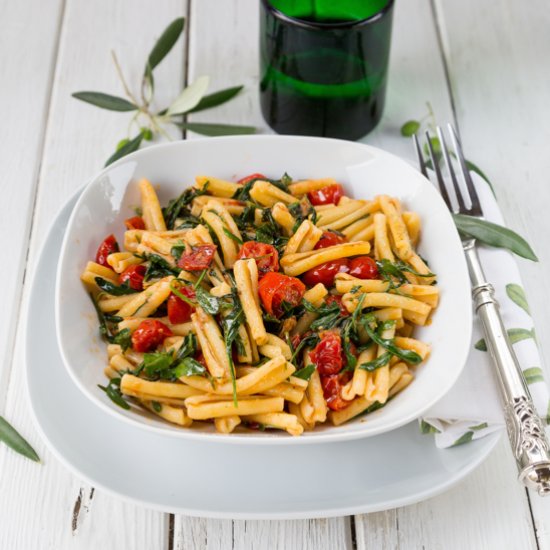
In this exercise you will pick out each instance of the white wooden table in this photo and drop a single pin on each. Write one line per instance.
(482, 64)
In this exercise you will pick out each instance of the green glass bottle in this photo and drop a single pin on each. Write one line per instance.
(323, 65)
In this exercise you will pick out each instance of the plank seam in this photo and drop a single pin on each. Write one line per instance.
(34, 194)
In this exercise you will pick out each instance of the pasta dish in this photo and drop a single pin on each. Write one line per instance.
(262, 303)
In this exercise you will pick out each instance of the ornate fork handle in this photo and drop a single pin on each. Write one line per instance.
(525, 428)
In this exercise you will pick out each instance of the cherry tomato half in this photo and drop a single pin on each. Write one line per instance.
(198, 257)
(255, 176)
(108, 246)
(329, 238)
(276, 288)
(134, 223)
(330, 194)
(149, 334)
(134, 276)
(180, 311)
(266, 255)
(325, 273)
(332, 390)
(327, 354)
(363, 267)
(332, 299)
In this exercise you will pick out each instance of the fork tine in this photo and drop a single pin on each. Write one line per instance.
(420, 157)
(438, 175)
(458, 191)
(476, 206)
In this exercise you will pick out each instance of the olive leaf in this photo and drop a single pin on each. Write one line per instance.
(494, 235)
(474, 168)
(189, 97)
(216, 98)
(165, 43)
(514, 334)
(410, 128)
(106, 101)
(209, 129)
(12, 438)
(126, 149)
(517, 295)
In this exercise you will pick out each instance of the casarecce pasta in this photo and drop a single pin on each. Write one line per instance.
(262, 303)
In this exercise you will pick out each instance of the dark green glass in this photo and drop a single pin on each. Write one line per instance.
(324, 65)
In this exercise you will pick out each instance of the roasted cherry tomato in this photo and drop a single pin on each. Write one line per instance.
(363, 267)
(330, 194)
(133, 275)
(199, 357)
(149, 334)
(198, 257)
(332, 390)
(108, 246)
(332, 299)
(134, 223)
(329, 238)
(276, 288)
(327, 354)
(256, 176)
(325, 273)
(266, 255)
(180, 311)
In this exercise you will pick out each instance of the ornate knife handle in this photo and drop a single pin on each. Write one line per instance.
(525, 428)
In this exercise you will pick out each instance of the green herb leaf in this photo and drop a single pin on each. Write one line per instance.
(180, 207)
(156, 362)
(212, 129)
(514, 334)
(112, 289)
(232, 237)
(157, 407)
(410, 128)
(12, 438)
(165, 43)
(215, 99)
(517, 295)
(189, 367)
(126, 149)
(158, 267)
(377, 363)
(494, 235)
(123, 339)
(114, 394)
(106, 101)
(189, 97)
(209, 303)
(306, 372)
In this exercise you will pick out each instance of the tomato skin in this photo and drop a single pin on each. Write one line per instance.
(266, 255)
(329, 238)
(149, 334)
(332, 390)
(255, 176)
(134, 223)
(325, 273)
(327, 354)
(331, 299)
(274, 288)
(198, 257)
(108, 246)
(363, 267)
(133, 275)
(180, 311)
(330, 194)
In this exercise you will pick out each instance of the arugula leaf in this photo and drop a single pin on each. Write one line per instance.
(114, 394)
(112, 289)
(232, 237)
(157, 407)
(188, 348)
(189, 367)
(370, 366)
(409, 356)
(209, 303)
(305, 373)
(179, 208)
(156, 362)
(309, 341)
(301, 211)
(158, 267)
(123, 339)
(329, 315)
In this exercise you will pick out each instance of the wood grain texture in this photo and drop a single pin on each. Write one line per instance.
(47, 506)
(497, 53)
(25, 94)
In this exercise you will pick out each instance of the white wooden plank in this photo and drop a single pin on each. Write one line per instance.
(38, 503)
(202, 534)
(468, 516)
(32, 28)
(497, 51)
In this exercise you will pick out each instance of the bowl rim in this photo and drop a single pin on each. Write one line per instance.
(278, 438)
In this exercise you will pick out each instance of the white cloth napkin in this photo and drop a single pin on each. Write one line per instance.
(472, 407)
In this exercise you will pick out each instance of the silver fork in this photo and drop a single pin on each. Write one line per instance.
(525, 428)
